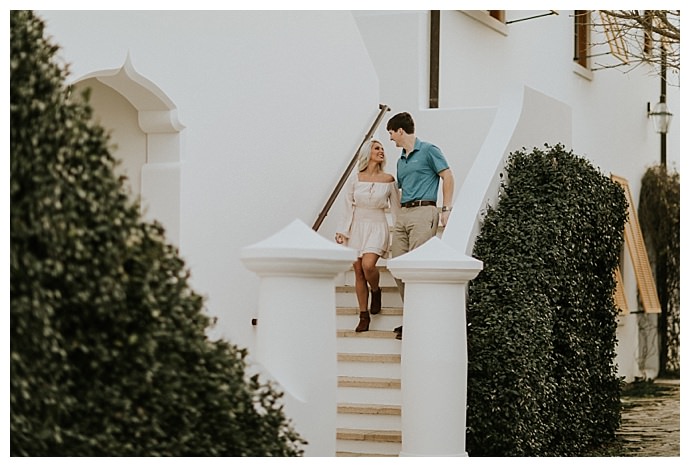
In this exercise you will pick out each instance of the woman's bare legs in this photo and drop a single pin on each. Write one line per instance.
(361, 288)
(362, 292)
(366, 275)
(371, 273)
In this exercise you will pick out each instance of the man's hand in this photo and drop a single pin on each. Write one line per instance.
(444, 218)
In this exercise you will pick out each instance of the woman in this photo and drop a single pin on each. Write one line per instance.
(365, 227)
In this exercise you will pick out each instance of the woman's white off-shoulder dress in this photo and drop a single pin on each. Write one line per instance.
(364, 222)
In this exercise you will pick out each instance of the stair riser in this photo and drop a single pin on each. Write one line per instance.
(392, 449)
(368, 421)
(385, 279)
(386, 396)
(369, 345)
(375, 346)
(371, 370)
(349, 299)
(378, 322)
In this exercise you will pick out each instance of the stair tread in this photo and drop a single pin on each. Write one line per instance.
(369, 357)
(351, 289)
(368, 382)
(373, 441)
(361, 454)
(381, 436)
(369, 409)
(373, 333)
(386, 310)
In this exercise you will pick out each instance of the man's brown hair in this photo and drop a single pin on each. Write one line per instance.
(402, 120)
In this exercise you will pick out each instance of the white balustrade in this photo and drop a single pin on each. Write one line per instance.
(296, 332)
(434, 348)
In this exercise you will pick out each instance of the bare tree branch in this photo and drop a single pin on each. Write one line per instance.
(635, 37)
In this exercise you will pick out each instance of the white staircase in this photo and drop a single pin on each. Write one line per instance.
(368, 394)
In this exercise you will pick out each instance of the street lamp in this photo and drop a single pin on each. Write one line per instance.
(661, 116)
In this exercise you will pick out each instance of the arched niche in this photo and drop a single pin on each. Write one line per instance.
(145, 137)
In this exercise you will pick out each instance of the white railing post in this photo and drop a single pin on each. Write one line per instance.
(434, 348)
(296, 332)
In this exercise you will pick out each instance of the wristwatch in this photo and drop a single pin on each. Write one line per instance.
(446, 208)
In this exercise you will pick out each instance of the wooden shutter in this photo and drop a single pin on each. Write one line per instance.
(581, 42)
(634, 243)
(619, 295)
(615, 36)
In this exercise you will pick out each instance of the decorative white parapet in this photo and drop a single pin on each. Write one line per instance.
(296, 332)
(434, 348)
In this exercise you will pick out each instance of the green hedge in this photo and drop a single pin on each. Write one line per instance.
(541, 317)
(659, 215)
(108, 351)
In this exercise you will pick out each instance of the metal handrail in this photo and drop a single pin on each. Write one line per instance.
(383, 108)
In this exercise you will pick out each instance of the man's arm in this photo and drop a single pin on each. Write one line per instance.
(448, 189)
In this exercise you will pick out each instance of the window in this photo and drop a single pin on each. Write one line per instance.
(434, 55)
(494, 19)
(582, 26)
(499, 15)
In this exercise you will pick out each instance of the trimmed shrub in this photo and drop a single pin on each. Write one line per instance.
(659, 215)
(541, 318)
(108, 351)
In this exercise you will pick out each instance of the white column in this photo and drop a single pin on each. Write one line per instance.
(434, 348)
(296, 331)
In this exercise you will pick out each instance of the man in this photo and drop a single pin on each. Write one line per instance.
(421, 167)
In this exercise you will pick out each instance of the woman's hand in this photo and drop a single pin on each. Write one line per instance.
(339, 238)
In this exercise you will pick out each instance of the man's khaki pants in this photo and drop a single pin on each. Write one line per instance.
(413, 227)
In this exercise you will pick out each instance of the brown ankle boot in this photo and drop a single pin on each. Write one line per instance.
(364, 320)
(376, 302)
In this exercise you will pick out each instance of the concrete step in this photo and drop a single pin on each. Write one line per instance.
(362, 454)
(373, 341)
(369, 358)
(369, 416)
(385, 277)
(368, 382)
(387, 320)
(369, 409)
(369, 365)
(368, 443)
(377, 436)
(345, 296)
(350, 289)
(382, 391)
(369, 391)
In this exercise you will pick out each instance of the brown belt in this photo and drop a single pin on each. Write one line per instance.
(413, 204)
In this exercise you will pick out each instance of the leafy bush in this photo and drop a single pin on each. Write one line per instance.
(541, 317)
(659, 214)
(109, 355)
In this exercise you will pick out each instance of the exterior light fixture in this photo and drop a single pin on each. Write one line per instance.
(661, 116)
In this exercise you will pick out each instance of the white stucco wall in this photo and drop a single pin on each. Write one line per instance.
(275, 103)
(478, 63)
(604, 120)
(271, 121)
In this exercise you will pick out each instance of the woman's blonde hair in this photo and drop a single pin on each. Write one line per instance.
(365, 154)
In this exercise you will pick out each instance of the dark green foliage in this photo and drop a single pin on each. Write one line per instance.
(109, 355)
(541, 317)
(659, 216)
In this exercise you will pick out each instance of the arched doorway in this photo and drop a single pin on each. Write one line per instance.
(145, 137)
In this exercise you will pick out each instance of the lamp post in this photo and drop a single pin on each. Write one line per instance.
(660, 114)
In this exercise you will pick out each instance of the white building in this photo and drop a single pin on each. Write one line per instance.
(233, 124)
